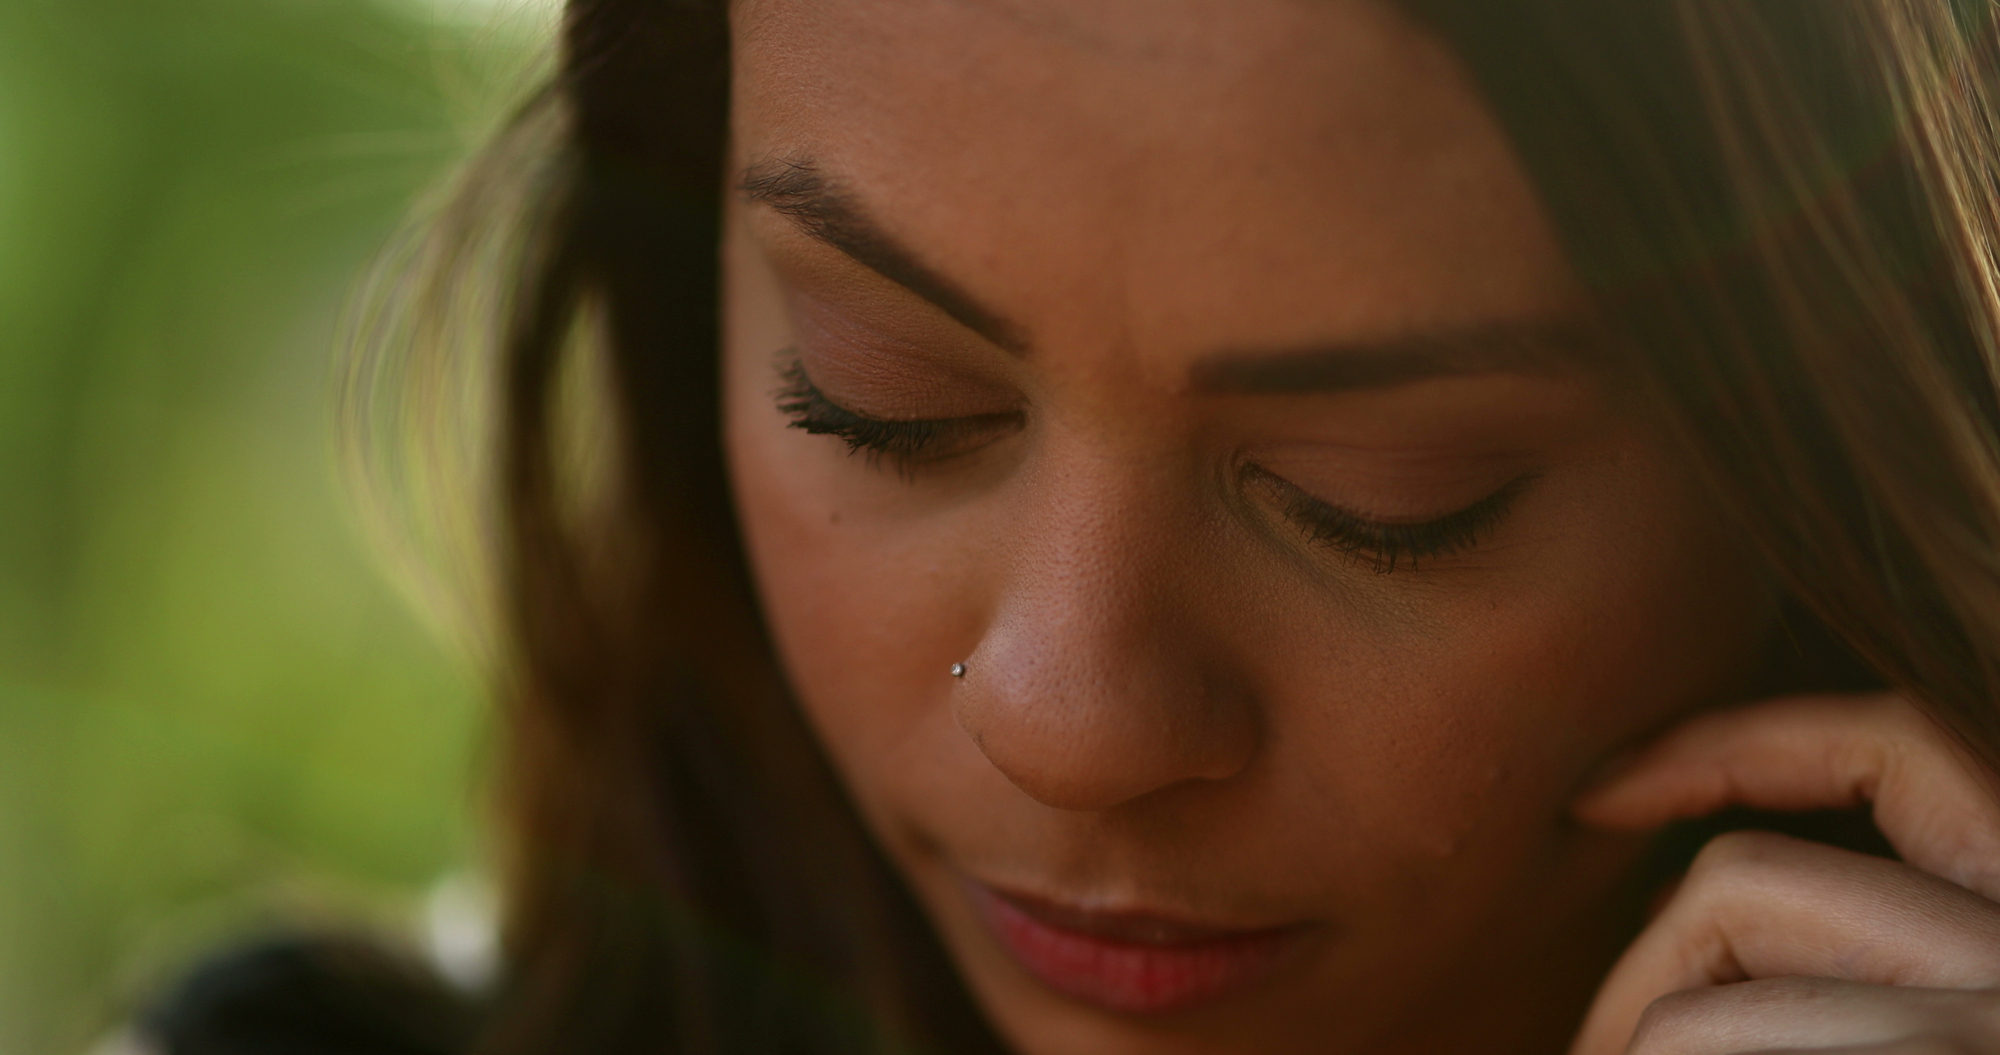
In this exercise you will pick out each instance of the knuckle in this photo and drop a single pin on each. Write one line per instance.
(1900, 716)
(1911, 738)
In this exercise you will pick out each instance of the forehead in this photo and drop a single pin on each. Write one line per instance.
(1302, 168)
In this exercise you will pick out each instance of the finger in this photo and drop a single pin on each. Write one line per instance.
(1808, 1014)
(1820, 752)
(1909, 1046)
(1922, 1044)
(1757, 905)
(1928, 1044)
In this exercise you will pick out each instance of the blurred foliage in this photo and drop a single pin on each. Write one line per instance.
(214, 715)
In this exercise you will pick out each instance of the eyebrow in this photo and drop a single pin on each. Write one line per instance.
(1525, 348)
(796, 189)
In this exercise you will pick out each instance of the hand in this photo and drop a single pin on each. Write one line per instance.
(1775, 944)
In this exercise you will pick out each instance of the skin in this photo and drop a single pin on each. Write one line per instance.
(1178, 700)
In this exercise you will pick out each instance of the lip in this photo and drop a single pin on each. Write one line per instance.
(1129, 962)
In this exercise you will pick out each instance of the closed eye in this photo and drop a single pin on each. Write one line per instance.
(908, 443)
(1386, 545)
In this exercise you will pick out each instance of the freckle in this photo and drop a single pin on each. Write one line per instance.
(834, 517)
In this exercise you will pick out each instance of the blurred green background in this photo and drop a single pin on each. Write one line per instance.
(215, 715)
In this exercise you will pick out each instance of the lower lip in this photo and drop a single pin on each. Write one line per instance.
(1127, 976)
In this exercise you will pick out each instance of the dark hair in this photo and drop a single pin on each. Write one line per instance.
(1786, 210)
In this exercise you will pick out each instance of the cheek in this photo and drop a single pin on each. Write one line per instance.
(1478, 711)
(868, 594)
(864, 590)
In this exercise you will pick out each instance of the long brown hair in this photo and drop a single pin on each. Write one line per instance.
(1786, 210)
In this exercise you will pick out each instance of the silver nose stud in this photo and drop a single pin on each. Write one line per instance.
(958, 670)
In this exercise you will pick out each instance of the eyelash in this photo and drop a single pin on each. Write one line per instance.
(1385, 547)
(907, 444)
(911, 444)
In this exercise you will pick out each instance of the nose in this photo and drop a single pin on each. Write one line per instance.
(1095, 683)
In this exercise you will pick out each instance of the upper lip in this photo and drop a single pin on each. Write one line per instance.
(1130, 926)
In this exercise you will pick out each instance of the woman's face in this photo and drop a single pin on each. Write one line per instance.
(1223, 403)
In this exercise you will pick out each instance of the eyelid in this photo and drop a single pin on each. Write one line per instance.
(907, 442)
(1386, 545)
(863, 341)
(1394, 484)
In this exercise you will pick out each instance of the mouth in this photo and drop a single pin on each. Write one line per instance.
(1129, 962)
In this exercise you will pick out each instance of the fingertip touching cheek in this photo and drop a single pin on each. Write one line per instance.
(1209, 385)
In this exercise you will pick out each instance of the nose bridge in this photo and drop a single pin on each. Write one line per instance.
(1094, 682)
(1091, 548)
